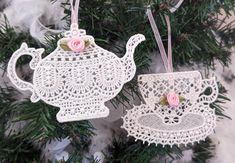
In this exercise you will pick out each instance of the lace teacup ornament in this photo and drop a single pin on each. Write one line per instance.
(177, 107)
(191, 121)
(78, 76)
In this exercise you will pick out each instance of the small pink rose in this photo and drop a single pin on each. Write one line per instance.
(173, 99)
(76, 44)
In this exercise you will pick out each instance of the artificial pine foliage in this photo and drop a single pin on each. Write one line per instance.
(125, 150)
(10, 41)
(203, 151)
(195, 26)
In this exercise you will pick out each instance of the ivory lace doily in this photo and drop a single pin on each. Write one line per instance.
(191, 121)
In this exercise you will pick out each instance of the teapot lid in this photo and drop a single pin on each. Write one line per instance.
(74, 31)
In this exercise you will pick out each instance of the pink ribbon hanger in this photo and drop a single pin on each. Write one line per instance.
(167, 60)
(74, 9)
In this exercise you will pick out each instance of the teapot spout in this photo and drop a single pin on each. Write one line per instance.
(128, 59)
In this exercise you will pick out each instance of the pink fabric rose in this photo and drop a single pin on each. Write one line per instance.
(76, 44)
(173, 99)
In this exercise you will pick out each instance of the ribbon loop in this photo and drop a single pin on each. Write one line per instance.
(167, 60)
(74, 10)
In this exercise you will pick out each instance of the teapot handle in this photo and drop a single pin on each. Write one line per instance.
(11, 68)
(209, 83)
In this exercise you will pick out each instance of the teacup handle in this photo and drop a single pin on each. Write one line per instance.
(209, 83)
(11, 69)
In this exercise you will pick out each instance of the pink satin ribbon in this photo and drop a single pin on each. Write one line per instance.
(167, 60)
(74, 9)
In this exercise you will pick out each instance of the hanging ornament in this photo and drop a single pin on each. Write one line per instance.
(177, 104)
(78, 76)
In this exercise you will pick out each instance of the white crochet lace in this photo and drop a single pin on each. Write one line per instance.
(193, 120)
(78, 83)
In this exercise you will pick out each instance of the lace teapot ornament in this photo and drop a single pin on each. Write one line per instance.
(177, 109)
(78, 76)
